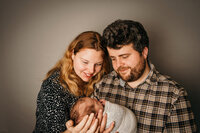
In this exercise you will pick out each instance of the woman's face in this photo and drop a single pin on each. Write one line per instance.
(87, 63)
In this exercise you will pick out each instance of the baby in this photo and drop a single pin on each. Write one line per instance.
(125, 120)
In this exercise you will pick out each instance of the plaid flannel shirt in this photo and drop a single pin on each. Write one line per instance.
(159, 103)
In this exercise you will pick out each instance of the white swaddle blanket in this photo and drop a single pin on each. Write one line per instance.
(125, 120)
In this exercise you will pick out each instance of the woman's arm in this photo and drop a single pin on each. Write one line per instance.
(50, 113)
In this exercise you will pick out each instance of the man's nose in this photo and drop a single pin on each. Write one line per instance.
(118, 63)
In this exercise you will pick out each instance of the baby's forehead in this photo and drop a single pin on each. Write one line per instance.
(85, 102)
(85, 106)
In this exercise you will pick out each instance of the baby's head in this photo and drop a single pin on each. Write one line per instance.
(85, 106)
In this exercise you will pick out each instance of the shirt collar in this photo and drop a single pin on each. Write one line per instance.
(122, 82)
(151, 78)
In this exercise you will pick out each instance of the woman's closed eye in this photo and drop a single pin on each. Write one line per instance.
(84, 61)
(99, 64)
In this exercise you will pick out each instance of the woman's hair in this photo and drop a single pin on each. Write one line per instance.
(68, 78)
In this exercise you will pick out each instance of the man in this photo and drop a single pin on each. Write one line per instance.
(159, 103)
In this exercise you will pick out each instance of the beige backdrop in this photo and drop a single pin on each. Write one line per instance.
(34, 35)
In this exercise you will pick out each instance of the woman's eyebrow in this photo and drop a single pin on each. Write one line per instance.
(83, 59)
(88, 60)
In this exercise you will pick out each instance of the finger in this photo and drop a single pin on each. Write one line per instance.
(82, 123)
(98, 128)
(93, 121)
(108, 130)
(88, 123)
(103, 123)
(69, 124)
(93, 128)
(100, 116)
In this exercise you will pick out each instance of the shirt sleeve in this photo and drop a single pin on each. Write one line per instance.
(51, 113)
(94, 94)
(181, 117)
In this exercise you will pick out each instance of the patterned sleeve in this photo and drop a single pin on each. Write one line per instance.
(50, 114)
(181, 118)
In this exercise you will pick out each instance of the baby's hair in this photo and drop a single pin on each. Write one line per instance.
(74, 113)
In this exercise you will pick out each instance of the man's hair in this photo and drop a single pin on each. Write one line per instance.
(124, 32)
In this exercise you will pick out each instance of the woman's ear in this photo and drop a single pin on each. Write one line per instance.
(145, 52)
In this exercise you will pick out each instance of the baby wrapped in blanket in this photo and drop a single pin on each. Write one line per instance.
(125, 120)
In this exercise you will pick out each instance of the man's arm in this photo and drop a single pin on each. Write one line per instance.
(181, 118)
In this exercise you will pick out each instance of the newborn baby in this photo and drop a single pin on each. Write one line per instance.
(125, 120)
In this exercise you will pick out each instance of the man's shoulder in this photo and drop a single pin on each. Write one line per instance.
(168, 84)
(156, 77)
(165, 79)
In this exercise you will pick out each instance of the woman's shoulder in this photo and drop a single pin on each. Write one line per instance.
(52, 87)
(53, 78)
(52, 83)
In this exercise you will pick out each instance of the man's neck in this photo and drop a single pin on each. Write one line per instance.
(134, 84)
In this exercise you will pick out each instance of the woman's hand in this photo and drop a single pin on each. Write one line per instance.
(90, 124)
(84, 126)
(102, 123)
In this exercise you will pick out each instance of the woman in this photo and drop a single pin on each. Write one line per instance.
(82, 65)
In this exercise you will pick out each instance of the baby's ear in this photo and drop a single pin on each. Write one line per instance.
(103, 101)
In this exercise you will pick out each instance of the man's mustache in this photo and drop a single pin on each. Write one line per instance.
(122, 68)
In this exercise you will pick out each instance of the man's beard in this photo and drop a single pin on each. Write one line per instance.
(135, 73)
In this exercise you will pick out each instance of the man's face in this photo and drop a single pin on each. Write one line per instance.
(127, 62)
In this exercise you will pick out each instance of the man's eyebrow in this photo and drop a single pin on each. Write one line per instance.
(124, 54)
(120, 55)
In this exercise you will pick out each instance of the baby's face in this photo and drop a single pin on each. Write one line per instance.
(90, 106)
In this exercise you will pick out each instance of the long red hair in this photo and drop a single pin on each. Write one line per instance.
(68, 78)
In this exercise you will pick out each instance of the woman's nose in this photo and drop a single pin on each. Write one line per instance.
(91, 68)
